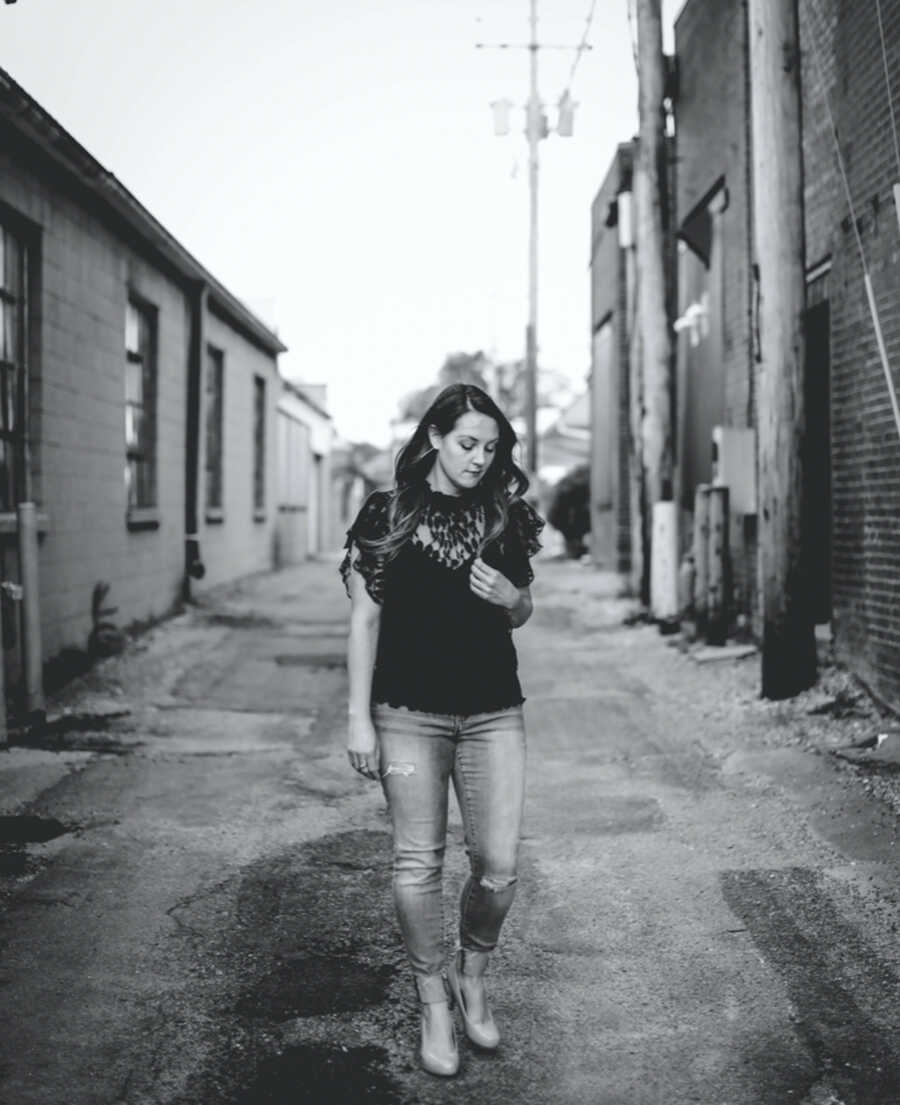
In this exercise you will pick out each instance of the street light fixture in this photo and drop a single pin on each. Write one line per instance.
(536, 128)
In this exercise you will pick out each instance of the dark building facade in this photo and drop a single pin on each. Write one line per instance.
(715, 357)
(612, 298)
(853, 444)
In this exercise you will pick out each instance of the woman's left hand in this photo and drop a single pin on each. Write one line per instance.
(492, 586)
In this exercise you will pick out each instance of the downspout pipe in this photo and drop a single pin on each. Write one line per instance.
(194, 567)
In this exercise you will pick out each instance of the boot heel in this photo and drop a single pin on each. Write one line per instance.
(483, 1034)
(438, 1053)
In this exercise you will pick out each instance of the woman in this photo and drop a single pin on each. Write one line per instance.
(437, 570)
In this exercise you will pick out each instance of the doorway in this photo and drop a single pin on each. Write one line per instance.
(817, 388)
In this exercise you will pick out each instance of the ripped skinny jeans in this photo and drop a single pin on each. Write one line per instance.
(484, 755)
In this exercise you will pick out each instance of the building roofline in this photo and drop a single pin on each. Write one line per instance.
(25, 116)
(297, 391)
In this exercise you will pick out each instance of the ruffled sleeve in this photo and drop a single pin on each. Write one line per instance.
(371, 523)
(521, 542)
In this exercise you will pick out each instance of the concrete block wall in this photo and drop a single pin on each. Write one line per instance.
(83, 273)
(77, 416)
(241, 543)
(865, 442)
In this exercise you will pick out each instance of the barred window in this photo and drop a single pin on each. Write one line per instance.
(259, 444)
(140, 405)
(215, 371)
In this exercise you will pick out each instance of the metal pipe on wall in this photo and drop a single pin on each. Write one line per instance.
(193, 565)
(31, 608)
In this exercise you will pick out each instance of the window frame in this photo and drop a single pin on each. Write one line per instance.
(259, 448)
(15, 304)
(142, 510)
(214, 433)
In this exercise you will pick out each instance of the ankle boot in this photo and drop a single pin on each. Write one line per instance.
(472, 965)
(439, 1052)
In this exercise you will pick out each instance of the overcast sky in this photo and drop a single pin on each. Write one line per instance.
(334, 165)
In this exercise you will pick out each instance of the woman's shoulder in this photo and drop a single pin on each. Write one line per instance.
(378, 500)
(525, 525)
(524, 518)
(373, 516)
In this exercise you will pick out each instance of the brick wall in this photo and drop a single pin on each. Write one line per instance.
(822, 191)
(865, 443)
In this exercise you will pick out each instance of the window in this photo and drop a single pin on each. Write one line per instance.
(214, 415)
(13, 351)
(259, 444)
(140, 406)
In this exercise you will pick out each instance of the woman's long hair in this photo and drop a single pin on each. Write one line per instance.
(502, 483)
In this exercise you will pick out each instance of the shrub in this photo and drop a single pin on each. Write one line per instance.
(570, 510)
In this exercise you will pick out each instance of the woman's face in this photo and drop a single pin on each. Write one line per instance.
(465, 453)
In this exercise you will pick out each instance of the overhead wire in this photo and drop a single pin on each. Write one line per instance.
(582, 46)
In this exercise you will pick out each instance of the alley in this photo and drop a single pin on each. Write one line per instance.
(707, 911)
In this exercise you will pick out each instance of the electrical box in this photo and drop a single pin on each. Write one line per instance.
(734, 466)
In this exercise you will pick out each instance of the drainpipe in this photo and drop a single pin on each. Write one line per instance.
(31, 610)
(30, 594)
(194, 567)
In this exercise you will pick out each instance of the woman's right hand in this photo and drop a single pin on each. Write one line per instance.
(362, 747)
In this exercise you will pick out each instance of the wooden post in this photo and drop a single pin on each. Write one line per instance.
(664, 569)
(718, 568)
(788, 644)
(650, 191)
(640, 541)
(701, 556)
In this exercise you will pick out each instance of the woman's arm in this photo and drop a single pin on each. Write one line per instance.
(493, 586)
(522, 610)
(362, 642)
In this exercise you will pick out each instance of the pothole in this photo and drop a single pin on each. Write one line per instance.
(13, 862)
(313, 1074)
(18, 830)
(26, 828)
(75, 732)
(312, 985)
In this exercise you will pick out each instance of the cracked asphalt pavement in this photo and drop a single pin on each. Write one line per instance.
(195, 896)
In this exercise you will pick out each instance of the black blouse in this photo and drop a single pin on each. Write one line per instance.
(441, 649)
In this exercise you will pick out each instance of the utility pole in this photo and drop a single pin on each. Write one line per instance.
(650, 194)
(651, 191)
(536, 128)
(788, 645)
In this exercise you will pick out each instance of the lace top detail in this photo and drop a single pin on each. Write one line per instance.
(450, 530)
(441, 648)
